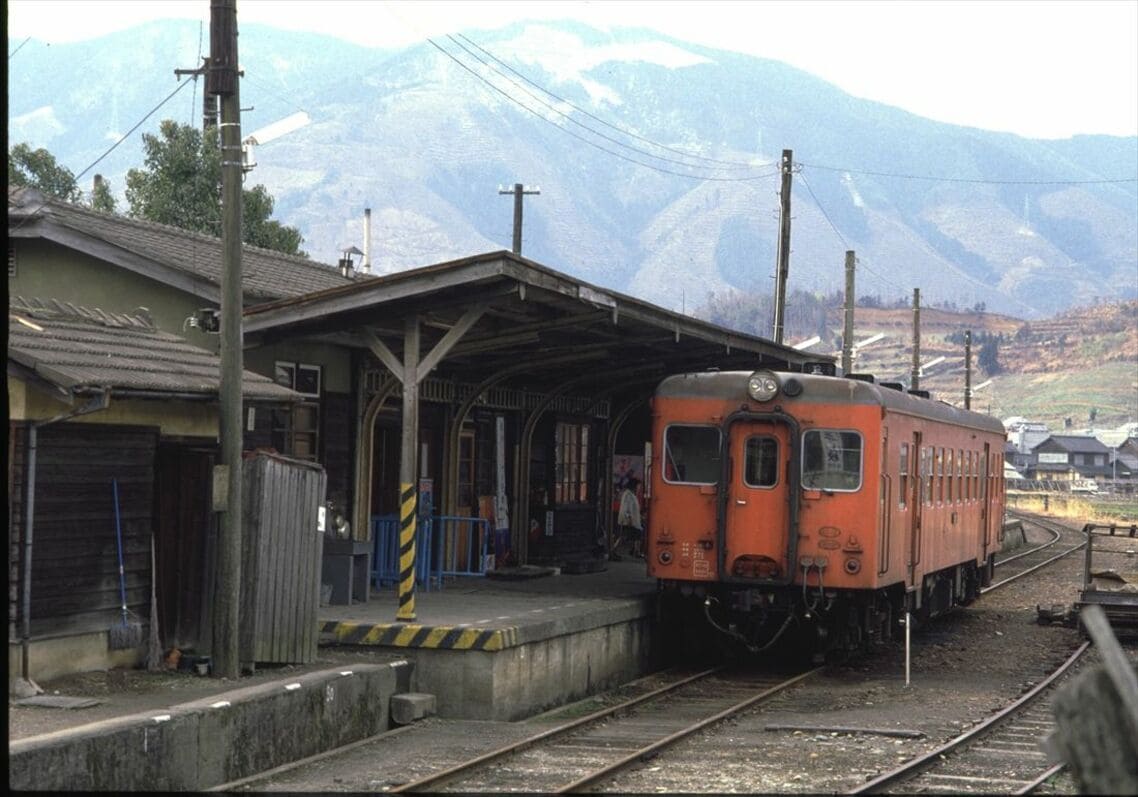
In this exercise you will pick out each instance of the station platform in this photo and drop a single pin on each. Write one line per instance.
(499, 647)
(511, 643)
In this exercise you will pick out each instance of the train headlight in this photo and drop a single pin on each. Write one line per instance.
(762, 386)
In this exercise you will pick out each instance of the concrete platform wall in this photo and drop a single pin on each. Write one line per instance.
(206, 743)
(534, 676)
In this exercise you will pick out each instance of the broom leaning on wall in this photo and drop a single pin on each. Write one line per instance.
(127, 633)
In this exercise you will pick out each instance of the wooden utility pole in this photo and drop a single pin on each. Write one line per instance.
(848, 329)
(209, 100)
(915, 378)
(221, 80)
(968, 369)
(518, 191)
(783, 247)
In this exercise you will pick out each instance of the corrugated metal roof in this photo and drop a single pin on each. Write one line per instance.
(266, 275)
(80, 350)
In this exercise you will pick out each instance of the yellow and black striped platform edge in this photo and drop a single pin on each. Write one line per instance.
(412, 635)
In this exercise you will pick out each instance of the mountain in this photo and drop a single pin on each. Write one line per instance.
(656, 161)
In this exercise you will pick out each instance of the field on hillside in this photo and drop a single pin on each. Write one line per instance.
(1049, 370)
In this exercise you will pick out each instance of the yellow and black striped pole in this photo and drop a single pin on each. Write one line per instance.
(407, 507)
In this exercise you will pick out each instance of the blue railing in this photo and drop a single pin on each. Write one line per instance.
(445, 546)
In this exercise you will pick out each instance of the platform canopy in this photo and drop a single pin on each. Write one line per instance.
(499, 311)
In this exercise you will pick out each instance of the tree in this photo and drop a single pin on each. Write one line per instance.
(179, 185)
(39, 169)
(989, 357)
(101, 197)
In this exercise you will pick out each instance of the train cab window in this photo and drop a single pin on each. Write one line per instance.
(691, 454)
(903, 468)
(831, 460)
(760, 467)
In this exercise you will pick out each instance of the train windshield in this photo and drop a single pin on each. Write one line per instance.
(691, 454)
(831, 460)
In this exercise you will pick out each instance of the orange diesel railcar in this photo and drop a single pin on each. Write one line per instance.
(801, 505)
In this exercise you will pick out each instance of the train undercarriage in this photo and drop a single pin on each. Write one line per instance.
(702, 621)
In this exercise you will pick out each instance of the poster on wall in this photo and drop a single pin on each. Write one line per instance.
(625, 468)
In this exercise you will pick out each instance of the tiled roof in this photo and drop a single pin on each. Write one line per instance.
(266, 275)
(80, 350)
(1077, 444)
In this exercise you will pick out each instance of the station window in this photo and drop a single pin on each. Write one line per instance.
(831, 460)
(296, 428)
(571, 484)
(691, 454)
(903, 467)
(760, 467)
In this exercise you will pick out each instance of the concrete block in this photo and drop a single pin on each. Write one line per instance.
(412, 706)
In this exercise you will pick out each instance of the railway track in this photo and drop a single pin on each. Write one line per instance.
(589, 750)
(1002, 754)
(1064, 541)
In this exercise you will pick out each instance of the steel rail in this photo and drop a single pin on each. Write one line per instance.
(450, 773)
(1058, 536)
(921, 763)
(1028, 788)
(660, 744)
(1049, 527)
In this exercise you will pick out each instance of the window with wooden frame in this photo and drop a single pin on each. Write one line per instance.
(571, 467)
(296, 428)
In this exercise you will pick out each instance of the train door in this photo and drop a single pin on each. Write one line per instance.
(920, 466)
(757, 516)
(985, 493)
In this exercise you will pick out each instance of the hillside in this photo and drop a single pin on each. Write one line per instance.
(655, 179)
(1049, 370)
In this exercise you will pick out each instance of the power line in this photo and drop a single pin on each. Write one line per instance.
(126, 135)
(521, 104)
(25, 41)
(970, 179)
(629, 133)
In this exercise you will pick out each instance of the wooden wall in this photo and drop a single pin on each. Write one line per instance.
(75, 578)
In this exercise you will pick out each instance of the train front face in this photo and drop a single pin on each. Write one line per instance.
(760, 505)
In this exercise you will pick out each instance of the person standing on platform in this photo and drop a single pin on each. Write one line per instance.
(628, 518)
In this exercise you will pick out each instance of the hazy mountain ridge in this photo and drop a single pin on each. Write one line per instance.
(426, 145)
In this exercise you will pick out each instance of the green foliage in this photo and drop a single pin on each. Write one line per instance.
(102, 199)
(989, 357)
(180, 185)
(39, 169)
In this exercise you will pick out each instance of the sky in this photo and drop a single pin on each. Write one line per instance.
(1037, 68)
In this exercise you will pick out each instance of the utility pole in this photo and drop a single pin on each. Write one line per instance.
(968, 369)
(848, 330)
(221, 80)
(783, 247)
(209, 101)
(518, 191)
(915, 378)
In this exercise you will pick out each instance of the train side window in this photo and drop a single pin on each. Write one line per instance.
(831, 460)
(926, 475)
(903, 467)
(959, 474)
(948, 476)
(760, 468)
(691, 454)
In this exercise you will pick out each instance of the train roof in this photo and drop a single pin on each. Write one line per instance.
(818, 388)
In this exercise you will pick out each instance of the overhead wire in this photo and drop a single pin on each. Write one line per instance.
(124, 137)
(591, 143)
(617, 128)
(974, 180)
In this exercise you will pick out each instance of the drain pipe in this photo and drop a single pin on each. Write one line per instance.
(98, 402)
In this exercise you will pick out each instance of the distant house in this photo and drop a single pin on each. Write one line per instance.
(112, 430)
(1069, 457)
